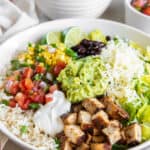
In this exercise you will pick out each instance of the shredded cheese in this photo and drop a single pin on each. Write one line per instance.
(123, 64)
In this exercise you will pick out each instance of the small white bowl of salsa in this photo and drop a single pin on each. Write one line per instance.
(137, 14)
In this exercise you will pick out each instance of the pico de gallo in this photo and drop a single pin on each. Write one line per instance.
(31, 80)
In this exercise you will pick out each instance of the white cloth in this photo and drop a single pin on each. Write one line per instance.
(16, 15)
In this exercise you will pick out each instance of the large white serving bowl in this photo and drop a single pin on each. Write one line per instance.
(20, 41)
(55, 9)
(136, 18)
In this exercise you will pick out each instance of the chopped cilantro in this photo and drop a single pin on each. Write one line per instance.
(29, 44)
(43, 41)
(38, 77)
(34, 105)
(54, 45)
(40, 59)
(57, 141)
(23, 129)
(5, 102)
(15, 64)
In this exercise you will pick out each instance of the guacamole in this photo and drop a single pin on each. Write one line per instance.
(83, 78)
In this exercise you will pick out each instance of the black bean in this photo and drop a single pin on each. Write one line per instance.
(85, 42)
(88, 47)
(81, 50)
(108, 38)
(96, 43)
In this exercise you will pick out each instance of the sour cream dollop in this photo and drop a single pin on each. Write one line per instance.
(47, 118)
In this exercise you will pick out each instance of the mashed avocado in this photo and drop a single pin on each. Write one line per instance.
(83, 78)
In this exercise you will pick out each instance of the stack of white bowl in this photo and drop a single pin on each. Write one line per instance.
(72, 8)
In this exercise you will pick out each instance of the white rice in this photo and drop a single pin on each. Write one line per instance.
(15, 118)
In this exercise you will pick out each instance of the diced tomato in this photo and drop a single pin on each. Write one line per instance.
(42, 97)
(146, 10)
(58, 67)
(36, 85)
(26, 84)
(138, 3)
(53, 88)
(20, 97)
(25, 106)
(21, 85)
(22, 100)
(40, 69)
(27, 72)
(12, 87)
(37, 97)
(12, 103)
(48, 98)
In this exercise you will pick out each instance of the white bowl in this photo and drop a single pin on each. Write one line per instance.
(67, 8)
(136, 18)
(19, 42)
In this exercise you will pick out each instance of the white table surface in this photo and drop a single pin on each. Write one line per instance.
(114, 12)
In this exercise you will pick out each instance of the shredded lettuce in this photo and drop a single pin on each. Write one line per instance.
(137, 47)
(143, 114)
(144, 52)
(143, 88)
(145, 132)
(132, 109)
(144, 119)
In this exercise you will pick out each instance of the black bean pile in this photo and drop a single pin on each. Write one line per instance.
(88, 47)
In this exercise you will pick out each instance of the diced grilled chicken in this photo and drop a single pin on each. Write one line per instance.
(113, 132)
(92, 105)
(74, 134)
(83, 146)
(114, 111)
(66, 145)
(133, 134)
(115, 124)
(84, 117)
(87, 127)
(88, 139)
(70, 118)
(123, 138)
(106, 100)
(61, 136)
(100, 119)
(76, 107)
(98, 139)
(100, 146)
(96, 131)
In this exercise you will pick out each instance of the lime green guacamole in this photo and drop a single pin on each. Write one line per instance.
(83, 78)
